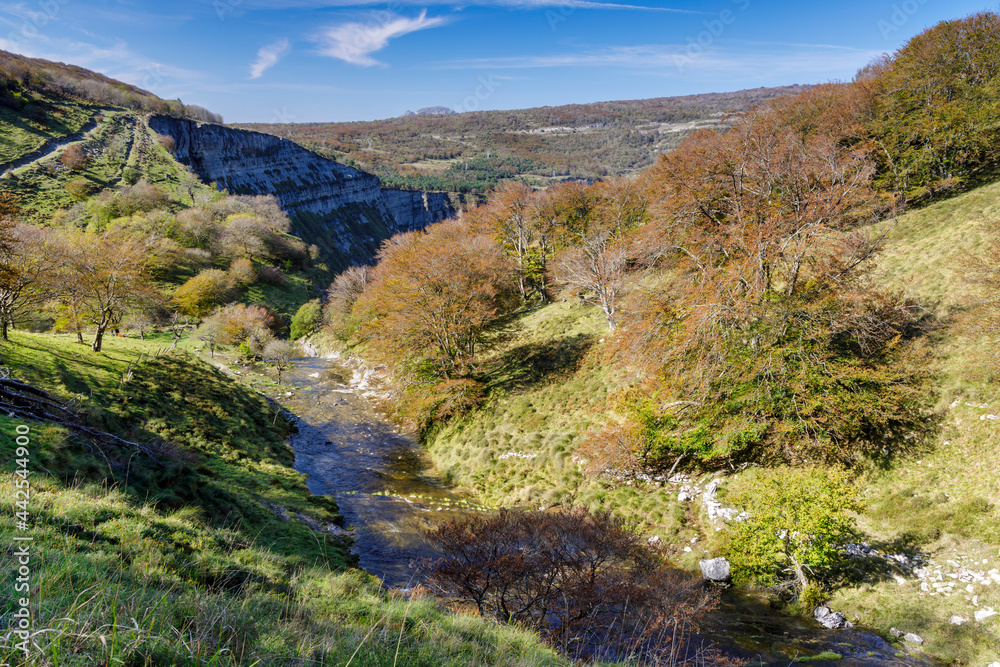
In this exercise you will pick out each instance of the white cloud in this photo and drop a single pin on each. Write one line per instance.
(517, 4)
(355, 42)
(267, 57)
(671, 59)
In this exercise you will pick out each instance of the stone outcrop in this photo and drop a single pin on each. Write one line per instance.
(346, 212)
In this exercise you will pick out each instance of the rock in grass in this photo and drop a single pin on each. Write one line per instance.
(983, 614)
(829, 618)
(911, 638)
(715, 569)
(958, 620)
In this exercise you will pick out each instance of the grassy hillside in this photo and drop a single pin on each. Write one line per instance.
(120, 150)
(549, 388)
(196, 554)
(943, 502)
(48, 119)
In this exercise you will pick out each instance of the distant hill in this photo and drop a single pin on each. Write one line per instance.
(472, 152)
(431, 111)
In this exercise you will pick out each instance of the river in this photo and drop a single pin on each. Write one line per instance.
(385, 485)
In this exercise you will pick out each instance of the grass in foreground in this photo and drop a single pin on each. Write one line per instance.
(202, 558)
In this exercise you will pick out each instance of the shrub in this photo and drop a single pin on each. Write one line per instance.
(795, 523)
(75, 158)
(307, 319)
(585, 581)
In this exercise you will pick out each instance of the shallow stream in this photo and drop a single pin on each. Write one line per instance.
(386, 488)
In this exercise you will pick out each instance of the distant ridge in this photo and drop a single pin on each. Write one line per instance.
(431, 111)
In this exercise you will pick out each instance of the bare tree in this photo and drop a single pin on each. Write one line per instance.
(596, 269)
(280, 353)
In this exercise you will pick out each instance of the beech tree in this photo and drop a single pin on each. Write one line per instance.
(34, 263)
(760, 331)
(509, 219)
(596, 269)
(105, 275)
(935, 114)
(435, 297)
(205, 292)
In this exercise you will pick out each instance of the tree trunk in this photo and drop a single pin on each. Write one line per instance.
(98, 339)
(79, 335)
(4, 327)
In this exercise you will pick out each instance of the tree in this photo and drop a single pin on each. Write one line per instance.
(104, 275)
(583, 580)
(345, 290)
(280, 353)
(597, 269)
(33, 266)
(934, 118)
(307, 319)
(210, 332)
(761, 331)
(435, 298)
(204, 292)
(508, 216)
(75, 158)
(248, 327)
(794, 525)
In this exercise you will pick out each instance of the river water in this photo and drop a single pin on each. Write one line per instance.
(388, 493)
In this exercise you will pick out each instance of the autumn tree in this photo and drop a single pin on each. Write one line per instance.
(106, 274)
(249, 328)
(75, 158)
(205, 292)
(345, 290)
(435, 297)
(761, 330)
(509, 219)
(32, 271)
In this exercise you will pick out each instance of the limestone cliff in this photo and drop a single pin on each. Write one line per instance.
(344, 211)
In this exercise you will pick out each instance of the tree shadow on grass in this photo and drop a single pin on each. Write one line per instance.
(537, 363)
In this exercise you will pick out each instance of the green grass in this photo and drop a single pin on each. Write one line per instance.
(549, 388)
(940, 502)
(121, 145)
(28, 129)
(187, 561)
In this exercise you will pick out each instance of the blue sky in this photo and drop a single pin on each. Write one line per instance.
(338, 60)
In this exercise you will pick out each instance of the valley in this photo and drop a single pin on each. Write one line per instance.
(506, 387)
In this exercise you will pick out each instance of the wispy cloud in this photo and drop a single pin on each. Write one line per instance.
(267, 57)
(355, 42)
(515, 4)
(665, 59)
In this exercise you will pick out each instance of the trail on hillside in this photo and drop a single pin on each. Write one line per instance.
(50, 147)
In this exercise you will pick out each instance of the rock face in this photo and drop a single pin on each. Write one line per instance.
(344, 211)
(716, 569)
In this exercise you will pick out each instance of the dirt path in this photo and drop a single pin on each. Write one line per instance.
(49, 147)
